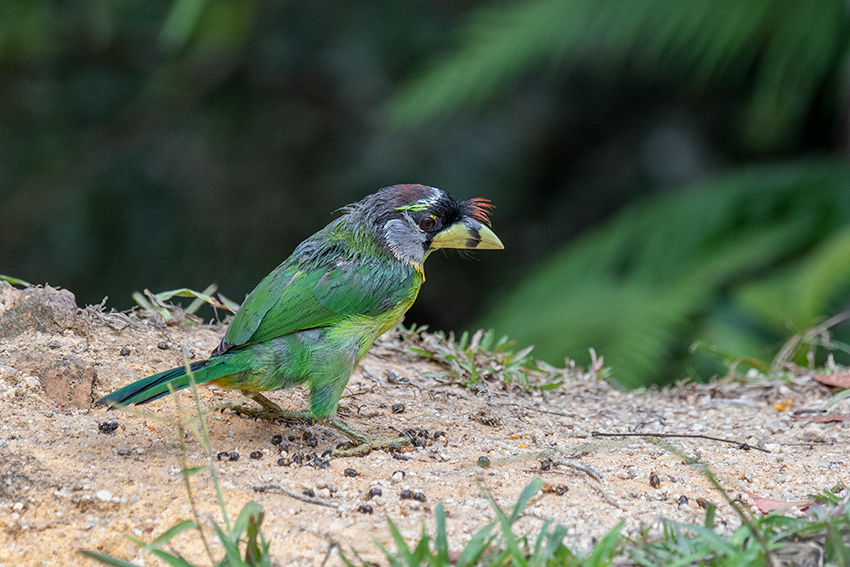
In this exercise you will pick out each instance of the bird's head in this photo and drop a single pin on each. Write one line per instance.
(415, 220)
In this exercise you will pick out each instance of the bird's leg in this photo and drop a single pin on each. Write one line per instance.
(270, 411)
(362, 444)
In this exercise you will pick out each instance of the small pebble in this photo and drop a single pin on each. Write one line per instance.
(483, 462)
(277, 439)
(350, 473)
(373, 492)
(107, 426)
(397, 476)
(364, 509)
(256, 455)
(560, 490)
(392, 378)
(703, 503)
(398, 408)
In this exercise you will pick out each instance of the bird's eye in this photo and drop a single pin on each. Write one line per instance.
(427, 223)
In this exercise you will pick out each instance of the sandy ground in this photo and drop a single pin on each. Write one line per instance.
(67, 483)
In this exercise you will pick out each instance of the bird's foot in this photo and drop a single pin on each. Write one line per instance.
(270, 411)
(360, 443)
(365, 448)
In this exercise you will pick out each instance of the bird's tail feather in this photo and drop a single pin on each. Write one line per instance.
(155, 386)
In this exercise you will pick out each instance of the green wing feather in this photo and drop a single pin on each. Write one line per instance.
(320, 286)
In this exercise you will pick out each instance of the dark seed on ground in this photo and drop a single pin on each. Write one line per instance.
(312, 441)
(438, 434)
(125, 352)
(423, 433)
(703, 503)
(234, 456)
(373, 492)
(654, 481)
(560, 490)
(298, 458)
(162, 345)
(392, 378)
(282, 462)
(256, 455)
(277, 439)
(107, 426)
(410, 433)
(327, 452)
(342, 445)
(309, 492)
(364, 509)
(222, 456)
(400, 457)
(683, 500)
(323, 464)
(397, 476)
(545, 465)
(291, 438)
(420, 496)
(393, 448)
(350, 473)
(306, 435)
(483, 462)
(419, 442)
(398, 408)
(406, 495)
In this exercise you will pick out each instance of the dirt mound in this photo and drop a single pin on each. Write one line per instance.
(75, 477)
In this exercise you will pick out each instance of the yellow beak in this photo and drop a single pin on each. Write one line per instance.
(468, 234)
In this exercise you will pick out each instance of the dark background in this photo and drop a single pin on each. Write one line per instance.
(165, 144)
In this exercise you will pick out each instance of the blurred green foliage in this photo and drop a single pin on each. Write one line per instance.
(740, 261)
(165, 144)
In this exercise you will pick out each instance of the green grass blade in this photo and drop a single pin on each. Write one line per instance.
(172, 560)
(107, 559)
(476, 546)
(441, 539)
(603, 552)
(170, 534)
(14, 281)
